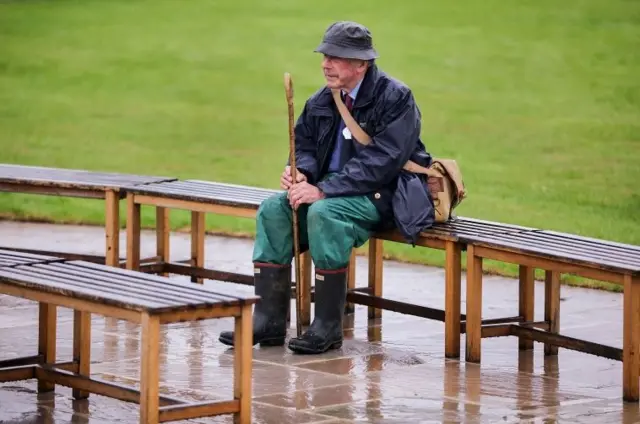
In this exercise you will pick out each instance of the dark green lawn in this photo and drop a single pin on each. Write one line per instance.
(539, 101)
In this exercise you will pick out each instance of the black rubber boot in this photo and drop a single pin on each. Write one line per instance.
(325, 331)
(273, 284)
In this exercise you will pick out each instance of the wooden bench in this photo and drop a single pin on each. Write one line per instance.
(133, 296)
(451, 238)
(79, 184)
(202, 197)
(529, 248)
(556, 253)
(198, 197)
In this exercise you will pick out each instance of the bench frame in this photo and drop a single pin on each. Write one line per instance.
(154, 407)
(547, 332)
(111, 197)
(111, 194)
(370, 296)
(194, 266)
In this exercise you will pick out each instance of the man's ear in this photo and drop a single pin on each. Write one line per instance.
(361, 65)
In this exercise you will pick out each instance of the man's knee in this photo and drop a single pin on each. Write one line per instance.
(319, 214)
(273, 207)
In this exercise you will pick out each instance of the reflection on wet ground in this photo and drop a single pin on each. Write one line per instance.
(390, 370)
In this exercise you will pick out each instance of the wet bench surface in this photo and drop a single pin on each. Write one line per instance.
(82, 184)
(71, 178)
(602, 254)
(9, 258)
(205, 191)
(118, 287)
(90, 288)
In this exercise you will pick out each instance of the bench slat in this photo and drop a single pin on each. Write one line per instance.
(105, 285)
(12, 258)
(588, 241)
(479, 224)
(550, 251)
(594, 253)
(22, 277)
(141, 285)
(217, 193)
(149, 279)
(606, 252)
(205, 197)
(76, 178)
(231, 189)
(123, 288)
(463, 227)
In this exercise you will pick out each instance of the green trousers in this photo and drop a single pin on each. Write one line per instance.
(329, 227)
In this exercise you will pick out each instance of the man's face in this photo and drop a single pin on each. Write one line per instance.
(342, 73)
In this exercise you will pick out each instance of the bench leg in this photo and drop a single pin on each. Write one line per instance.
(452, 300)
(375, 274)
(149, 369)
(552, 307)
(526, 302)
(112, 228)
(631, 339)
(474, 306)
(243, 357)
(47, 322)
(351, 281)
(162, 236)
(82, 347)
(197, 243)
(306, 264)
(133, 233)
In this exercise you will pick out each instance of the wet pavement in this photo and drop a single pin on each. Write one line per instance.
(390, 370)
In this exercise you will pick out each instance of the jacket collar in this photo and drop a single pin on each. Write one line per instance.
(365, 93)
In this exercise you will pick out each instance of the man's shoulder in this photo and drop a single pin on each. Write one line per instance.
(391, 89)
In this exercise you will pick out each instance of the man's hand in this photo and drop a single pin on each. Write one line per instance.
(286, 180)
(304, 193)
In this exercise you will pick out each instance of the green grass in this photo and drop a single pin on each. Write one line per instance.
(539, 101)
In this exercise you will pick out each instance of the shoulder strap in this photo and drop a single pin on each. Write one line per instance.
(363, 138)
(360, 135)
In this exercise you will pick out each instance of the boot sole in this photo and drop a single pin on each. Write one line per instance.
(272, 342)
(264, 342)
(311, 351)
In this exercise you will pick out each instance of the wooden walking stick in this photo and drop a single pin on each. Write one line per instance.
(288, 86)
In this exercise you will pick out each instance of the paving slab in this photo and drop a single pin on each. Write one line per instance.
(389, 370)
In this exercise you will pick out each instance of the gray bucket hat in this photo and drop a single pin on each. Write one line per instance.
(348, 40)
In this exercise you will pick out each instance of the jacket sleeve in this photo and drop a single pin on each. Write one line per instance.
(305, 146)
(381, 161)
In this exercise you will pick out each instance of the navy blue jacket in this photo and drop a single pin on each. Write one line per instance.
(386, 110)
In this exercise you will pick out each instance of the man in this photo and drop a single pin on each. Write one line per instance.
(343, 190)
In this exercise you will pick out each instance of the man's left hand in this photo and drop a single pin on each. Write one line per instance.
(304, 193)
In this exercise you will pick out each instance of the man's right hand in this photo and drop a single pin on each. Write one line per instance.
(286, 180)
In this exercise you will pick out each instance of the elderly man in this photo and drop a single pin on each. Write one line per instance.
(343, 190)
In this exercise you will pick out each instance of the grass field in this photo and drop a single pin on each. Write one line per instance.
(539, 101)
